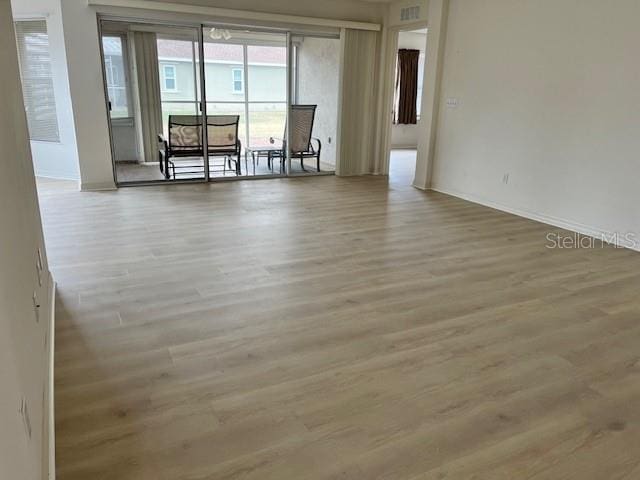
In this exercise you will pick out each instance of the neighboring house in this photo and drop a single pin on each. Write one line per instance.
(226, 79)
(225, 75)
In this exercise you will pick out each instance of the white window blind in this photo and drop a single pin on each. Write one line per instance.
(37, 81)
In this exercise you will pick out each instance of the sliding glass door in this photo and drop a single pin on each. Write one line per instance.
(211, 103)
(151, 82)
(316, 63)
(246, 81)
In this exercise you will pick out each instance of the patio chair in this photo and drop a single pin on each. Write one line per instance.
(185, 141)
(302, 143)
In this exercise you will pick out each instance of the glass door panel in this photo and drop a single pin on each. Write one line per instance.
(317, 72)
(116, 75)
(246, 82)
(178, 73)
(267, 66)
(267, 123)
(150, 74)
(231, 109)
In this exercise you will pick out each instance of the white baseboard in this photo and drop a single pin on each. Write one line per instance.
(56, 176)
(572, 226)
(97, 187)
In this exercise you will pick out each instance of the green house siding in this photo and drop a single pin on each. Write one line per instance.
(267, 83)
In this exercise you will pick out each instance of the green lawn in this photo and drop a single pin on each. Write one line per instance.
(263, 123)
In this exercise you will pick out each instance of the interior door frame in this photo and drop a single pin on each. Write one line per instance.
(106, 98)
(390, 74)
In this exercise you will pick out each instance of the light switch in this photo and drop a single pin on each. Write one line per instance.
(452, 102)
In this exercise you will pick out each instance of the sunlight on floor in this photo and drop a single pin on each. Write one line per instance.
(402, 166)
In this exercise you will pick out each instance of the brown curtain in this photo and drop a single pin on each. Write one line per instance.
(407, 86)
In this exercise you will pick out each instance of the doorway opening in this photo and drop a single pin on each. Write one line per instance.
(408, 86)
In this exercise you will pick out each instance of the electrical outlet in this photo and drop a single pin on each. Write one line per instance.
(505, 178)
(24, 414)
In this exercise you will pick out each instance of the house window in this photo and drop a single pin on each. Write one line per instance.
(37, 80)
(169, 81)
(238, 80)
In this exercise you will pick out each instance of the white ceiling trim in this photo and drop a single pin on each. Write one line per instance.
(231, 13)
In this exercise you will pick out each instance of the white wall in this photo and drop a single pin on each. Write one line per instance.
(88, 98)
(406, 136)
(548, 95)
(356, 10)
(319, 75)
(24, 358)
(51, 159)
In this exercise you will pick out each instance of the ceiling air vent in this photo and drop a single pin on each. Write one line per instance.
(410, 13)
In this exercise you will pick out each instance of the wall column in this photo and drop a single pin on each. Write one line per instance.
(436, 33)
(84, 64)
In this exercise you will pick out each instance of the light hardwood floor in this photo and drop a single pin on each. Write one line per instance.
(327, 328)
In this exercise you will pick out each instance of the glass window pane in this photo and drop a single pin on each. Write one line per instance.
(231, 109)
(178, 72)
(266, 121)
(224, 64)
(176, 108)
(245, 74)
(177, 69)
(267, 73)
(318, 73)
(116, 76)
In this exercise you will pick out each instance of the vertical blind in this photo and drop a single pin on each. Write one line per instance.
(357, 134)
(148, 97)
(37, 81)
